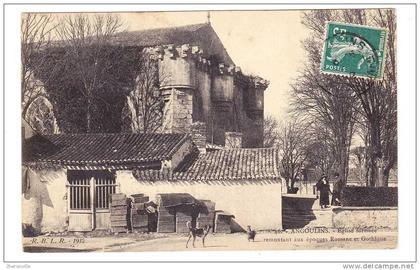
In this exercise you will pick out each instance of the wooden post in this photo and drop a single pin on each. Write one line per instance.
(92, 201)
(68, 188)
(118, 187)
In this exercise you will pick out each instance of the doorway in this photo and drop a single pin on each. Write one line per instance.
(89, 198)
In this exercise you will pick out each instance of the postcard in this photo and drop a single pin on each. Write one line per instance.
(209, 130)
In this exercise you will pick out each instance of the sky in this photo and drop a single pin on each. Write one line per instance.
(263, 43)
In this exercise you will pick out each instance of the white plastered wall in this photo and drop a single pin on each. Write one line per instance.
(44, 205)
(253, 203)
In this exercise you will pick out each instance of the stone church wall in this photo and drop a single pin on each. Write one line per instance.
(196, 90)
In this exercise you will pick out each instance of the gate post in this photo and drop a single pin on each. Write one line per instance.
(92, 201)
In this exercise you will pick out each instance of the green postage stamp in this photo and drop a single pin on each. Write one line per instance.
(354, 50)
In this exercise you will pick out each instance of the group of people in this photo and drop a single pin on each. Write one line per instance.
(323, 186)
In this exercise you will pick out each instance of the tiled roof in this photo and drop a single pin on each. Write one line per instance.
(202, 35)
(232, 164)
(101, 149)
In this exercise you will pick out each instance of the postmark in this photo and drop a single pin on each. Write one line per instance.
(354, 50)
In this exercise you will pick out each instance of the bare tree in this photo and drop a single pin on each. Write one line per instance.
(271, 131)
(292, 151)
(142, 112)
(358, 158)
(377, 98)
(327, 104)
(320, 149)
(36, 32)
(85, 39)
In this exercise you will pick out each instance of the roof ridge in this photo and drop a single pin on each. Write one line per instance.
(252, 149)
(116, 133)
(170, 27)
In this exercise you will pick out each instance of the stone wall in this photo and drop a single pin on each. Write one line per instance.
(202, 97)
(222, 88)
(182, 107)
(379, 217)
(254, 129)
(177, 67)
(222, 121)
(198, 135)
(177, 111)
(217, 94)
(177, 78)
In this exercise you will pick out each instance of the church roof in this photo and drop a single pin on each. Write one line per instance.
(202, 35)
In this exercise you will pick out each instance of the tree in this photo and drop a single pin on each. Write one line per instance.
(143, 110)
(292, 151)
(320, 150)
(271, 131)
(35, 34)
(86, 41)
(358, 157)
(328, 105)
(36, 109)
(376, 98)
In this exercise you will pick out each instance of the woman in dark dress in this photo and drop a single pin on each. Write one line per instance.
(324, 191)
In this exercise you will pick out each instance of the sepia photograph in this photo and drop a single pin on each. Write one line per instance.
(209, 130)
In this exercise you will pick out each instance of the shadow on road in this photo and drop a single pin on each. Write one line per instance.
(53, 249)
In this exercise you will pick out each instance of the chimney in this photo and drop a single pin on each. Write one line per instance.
(198, 135)
(166, 168)
(233, 140)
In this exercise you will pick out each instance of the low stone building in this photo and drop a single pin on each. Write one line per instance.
(68, 178)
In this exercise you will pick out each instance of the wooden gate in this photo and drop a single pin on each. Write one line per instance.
(89, 198)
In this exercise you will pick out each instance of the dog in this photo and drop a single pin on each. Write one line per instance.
(197, 232)
(251, 234)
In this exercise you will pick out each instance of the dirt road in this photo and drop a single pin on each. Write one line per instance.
(269, 241)
(237, 241)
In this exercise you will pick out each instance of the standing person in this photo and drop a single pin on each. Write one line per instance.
(324, 190)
